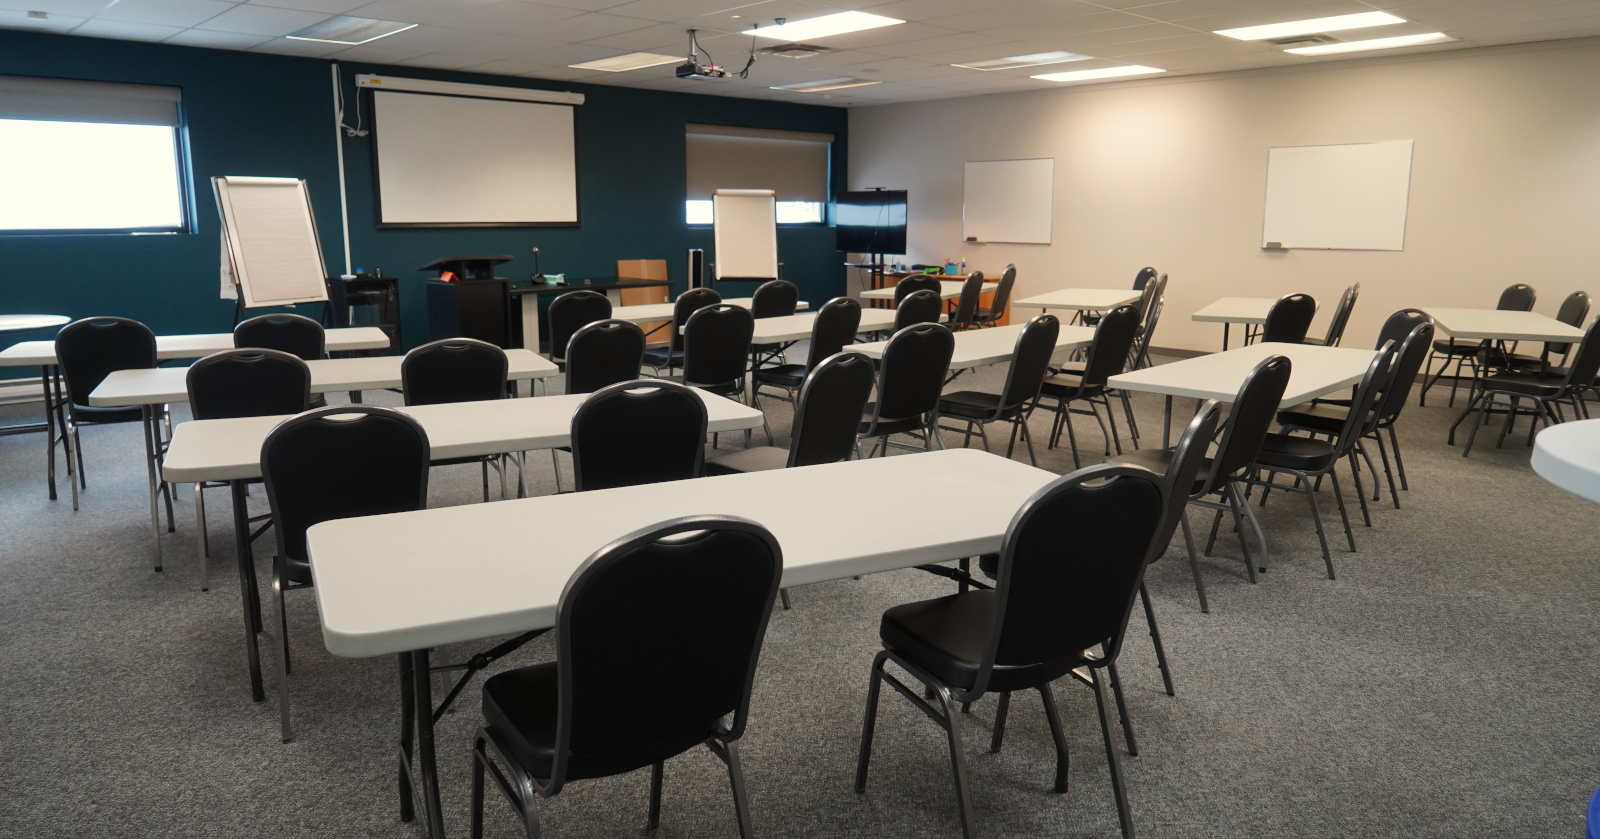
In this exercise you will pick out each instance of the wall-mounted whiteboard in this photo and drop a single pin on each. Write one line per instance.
(1009, 200)
(457, 161)
(269, 237)
(1347, 197)
(746, 234)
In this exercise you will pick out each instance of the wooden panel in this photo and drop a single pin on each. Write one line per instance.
(646, 269)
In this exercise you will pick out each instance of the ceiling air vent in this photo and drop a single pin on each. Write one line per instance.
(795, 50)
(1303, 40)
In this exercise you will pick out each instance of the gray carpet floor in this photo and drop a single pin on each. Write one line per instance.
(1444, 686)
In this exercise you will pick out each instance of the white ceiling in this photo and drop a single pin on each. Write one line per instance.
(539, 38)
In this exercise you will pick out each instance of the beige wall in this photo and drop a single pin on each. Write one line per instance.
(1505, 183)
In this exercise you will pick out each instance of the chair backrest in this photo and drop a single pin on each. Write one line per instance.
(921, 282)
(775, 299)
(682, 605)
(1288, 319)
(297, 335)
(571, 312)
(1113, 339)
(1002, 294)
(1070, 566)
(340, 462)
(640, 432)
(1030, 361)
(833, 330)
(1586, 364)
(1573, 311)
(828, 414)
(911, 373)
(716, 344)
(1143, 278)
(1413, 350)
(1358, 420)
(1141, 347)
(90, 349)
(1341, 316)
(967, 306)
(604, 353)
(1254, 408)
(1400, 325)
(1517, 298)
(918, 307)
(453, 370)
(688, 303)
(1183, 470)
(248, 383)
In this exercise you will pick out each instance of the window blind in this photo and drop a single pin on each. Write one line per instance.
(68, 100)
(793, 164)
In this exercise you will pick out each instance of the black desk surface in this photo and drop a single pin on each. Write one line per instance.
(581, 284)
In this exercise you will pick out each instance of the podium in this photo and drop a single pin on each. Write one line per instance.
(477, 305)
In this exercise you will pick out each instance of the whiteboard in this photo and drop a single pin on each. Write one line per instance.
(1346, 197)
(270, 243)
(1009, 200)
(745, 223)
(457, 161)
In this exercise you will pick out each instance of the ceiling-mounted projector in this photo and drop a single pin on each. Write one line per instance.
(692, 68)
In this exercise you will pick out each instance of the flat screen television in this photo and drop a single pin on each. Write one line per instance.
(871, 222)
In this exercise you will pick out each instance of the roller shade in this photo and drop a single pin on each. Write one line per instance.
(66, 100)
(793, 164)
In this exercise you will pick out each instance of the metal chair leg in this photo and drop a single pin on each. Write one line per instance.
(1052, 716)
(1338, 494)
(1118, 786)
(1361, 494)
(200, 536)
(1383, 455)
(783, 594)
(1122, 710)
(555, 463)
(1000, 724)
(957, 766)
(283, 654)
(1399, 464)
(654, 818)
(1155, 638)
(869, 723)
(1194, 561)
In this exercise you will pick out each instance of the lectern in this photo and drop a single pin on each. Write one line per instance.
(475, 305)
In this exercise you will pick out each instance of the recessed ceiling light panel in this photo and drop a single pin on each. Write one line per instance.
(1102, 73)
(1338, 23)
(822, 27)
(825, 84)
(349, 30)
(631, 61)
(1031, 60)
(1374, 44)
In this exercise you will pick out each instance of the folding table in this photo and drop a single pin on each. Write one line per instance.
(150, 388)
(380, 591)
(1081, 300)
(982, 347)
(1486, 325)
(24, 323)
(1250, 311)
(948, 290)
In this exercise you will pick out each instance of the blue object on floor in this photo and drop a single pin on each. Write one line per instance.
(1594, 816)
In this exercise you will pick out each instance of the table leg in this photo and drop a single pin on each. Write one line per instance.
(45, 380)
(149, 420)
(249, 598)
(1166, 424)
(530, 322)
(1224, 336)
(408, 713)
(427, 767)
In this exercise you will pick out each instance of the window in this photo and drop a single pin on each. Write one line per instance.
(794, 164)
(87, 157)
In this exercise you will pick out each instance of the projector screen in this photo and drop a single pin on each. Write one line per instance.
(455, 161)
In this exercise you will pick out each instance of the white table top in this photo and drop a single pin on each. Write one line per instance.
(380, 588)
(18, 323)
(663, 311)
(162, 385)
(1314, 371)
(230, 449)
(982, 347)
(948, 290)
(798, 327)
(1496, 325)
(168, 347)
(1568, 455)
(1236, 310)
(1084, 299)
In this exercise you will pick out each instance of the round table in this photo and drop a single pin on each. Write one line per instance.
(1568, 455)
(17, 323)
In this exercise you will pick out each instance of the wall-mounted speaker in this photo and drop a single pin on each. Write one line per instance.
(697, 268)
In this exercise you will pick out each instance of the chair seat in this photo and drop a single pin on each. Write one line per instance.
(1301, 453)
(1067, 386)
(520, 706)
(298, 571)
(757, 459)
(887, 425)
(457, 461)
(1158, 460)
(1460, 347)
(973, 404)
(728, 389)
(947, 637)
(783, 375)
(1313, 342)
(1525, 384)
(659, 356)
(86, 415)
(1327, 417)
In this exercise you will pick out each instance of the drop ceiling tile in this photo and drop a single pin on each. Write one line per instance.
(1507, 17)
(827, 59)
(509, 17)
(922, 10)
(332, 7)
(262, 20)
(931, 74)
(493, 47)
(1157, 45)
(1018, 14)
(181, 13)
(1093, 42)
(561, 56)
(18, 19)
(764, 13)
(1542, 31)
(310, 49)
(377, 53)
(667, 38)
(580, 5)
(95, 28)
(82, 9)
(1435, 9)
(436, 12)
(1277, 13)
(884, 65)
(591, 25)
(441, 61)
(431, 39)
(943, 43)
(672, 10)
(216, 40)
(1082, 24)
(1188, 9)
(883, 35)
(564, 74)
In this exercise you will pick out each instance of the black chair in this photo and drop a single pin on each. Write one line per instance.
(624, 620)
(1341, 318)
(910, 378)
(571, 312)
(1145, 275)
(1002, 295)
(1247, 425)
(1141, 282)
(918, 307)
(1070, 566)
(688, 303)
(832, 331)
(600, 354)
(1030, 361)
(641, 432)
(459, 370)
(242, 383)
(87, 351)
(832, 399)
(1306, 458)
(1108, 355)
(912, 285)
(967, 306)
(1544, 392)
(773, 299)
(1573, 312)
(715, 343)
(1515, 298)
(296, 335)
(1151, 303)
(332, 463)
(1288, 319)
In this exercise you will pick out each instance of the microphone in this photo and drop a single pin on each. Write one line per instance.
(537, 276)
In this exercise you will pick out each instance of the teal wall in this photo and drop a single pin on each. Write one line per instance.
(269, 115)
